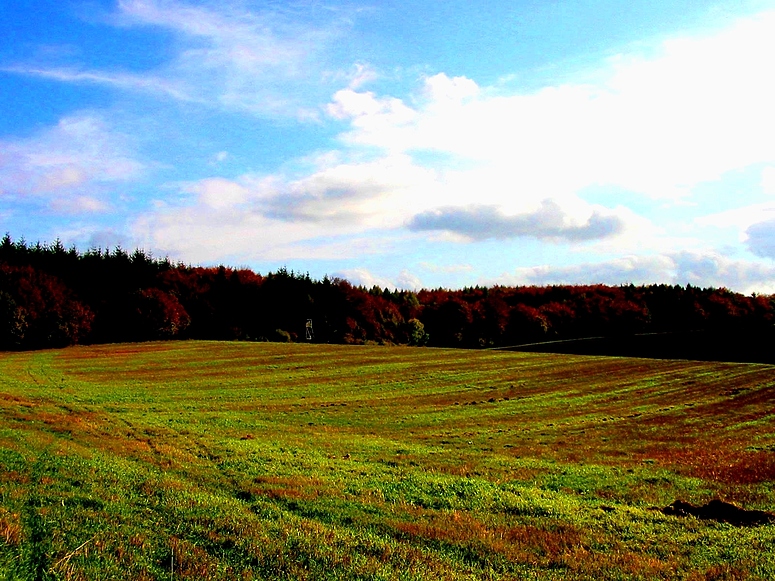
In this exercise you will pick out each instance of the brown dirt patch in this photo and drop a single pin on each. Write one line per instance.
(720, 511)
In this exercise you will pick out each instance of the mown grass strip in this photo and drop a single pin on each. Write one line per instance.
(265, 461)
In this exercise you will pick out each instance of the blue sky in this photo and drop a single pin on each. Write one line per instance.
(408, 144)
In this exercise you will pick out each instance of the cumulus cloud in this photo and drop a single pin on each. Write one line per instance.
(517, 164)
(656, 125)
(549, 222)
(696, 268)
(68, 164)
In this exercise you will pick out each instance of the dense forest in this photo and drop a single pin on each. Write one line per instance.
(52, 296)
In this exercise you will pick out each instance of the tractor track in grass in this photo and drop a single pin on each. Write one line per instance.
(327, 458)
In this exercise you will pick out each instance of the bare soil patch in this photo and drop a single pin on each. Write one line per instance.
(720, 511)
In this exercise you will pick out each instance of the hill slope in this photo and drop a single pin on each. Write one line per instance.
(207, 460)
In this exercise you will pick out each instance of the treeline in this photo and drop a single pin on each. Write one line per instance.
(52, 296)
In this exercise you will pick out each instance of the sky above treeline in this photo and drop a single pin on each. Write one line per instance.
(442, 143)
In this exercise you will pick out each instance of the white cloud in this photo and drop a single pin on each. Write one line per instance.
(654, 126)
(408, 281)
(635, 269)
(358, 75)
(69, 164)
(374, 194)
(224, 55)
(444, 92)
(218, 193)
(341, 200)
(86, 236)
(478, 161)
(713, 269)
(760, 238)
(78, 205)
(219, 157)
(365, 278)
(201, 233)
(549, 222)
(447, 268)
(768, 180)
(740, 218)
(250, 219)
(145, 83)
(704, 269)
(755, 225)
(375, 121)
(657, 126)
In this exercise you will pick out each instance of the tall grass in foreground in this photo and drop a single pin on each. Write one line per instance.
(205, 460)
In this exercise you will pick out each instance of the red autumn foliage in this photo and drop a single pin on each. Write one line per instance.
(37, 310)
(53, 296)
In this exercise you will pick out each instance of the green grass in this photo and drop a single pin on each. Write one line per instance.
(207, 460)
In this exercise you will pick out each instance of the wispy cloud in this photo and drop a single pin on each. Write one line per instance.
(147, 83)
(260, 61)
(446, 268)
(68, 164)
(241, 59)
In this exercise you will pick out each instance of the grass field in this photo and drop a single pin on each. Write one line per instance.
(207, 460)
